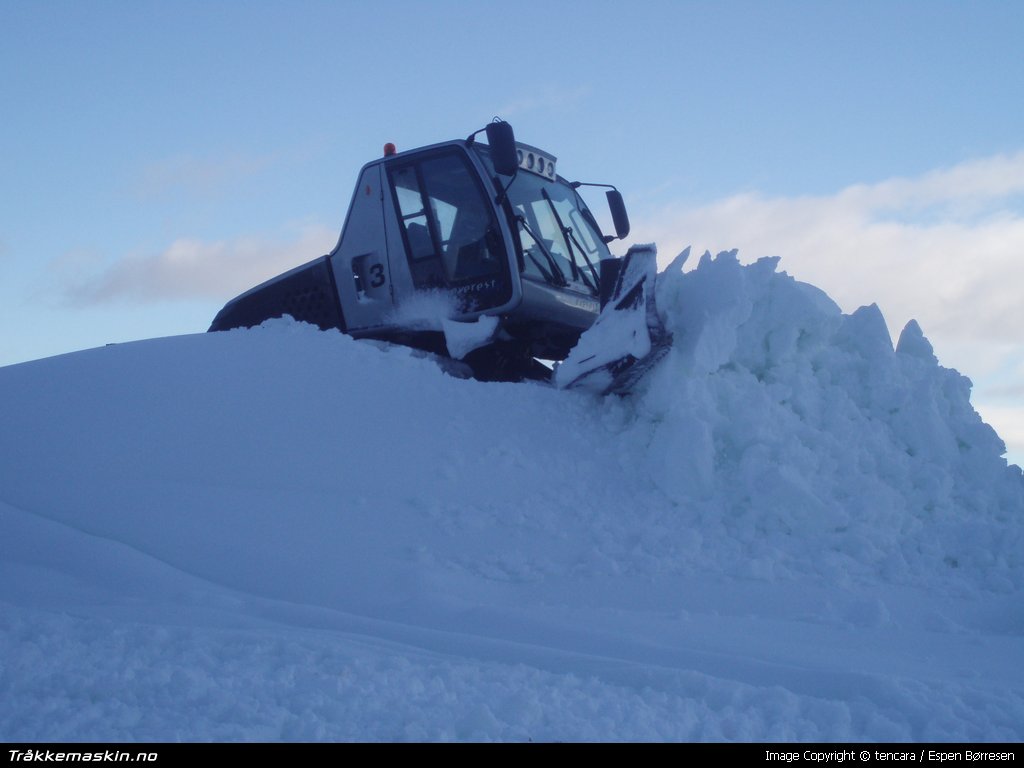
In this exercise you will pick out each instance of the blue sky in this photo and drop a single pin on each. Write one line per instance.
(159, 157)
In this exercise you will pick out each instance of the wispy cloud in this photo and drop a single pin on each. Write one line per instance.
(191, 268)
(965, 188)
(942, 248)
(197, 175)
(546, 98)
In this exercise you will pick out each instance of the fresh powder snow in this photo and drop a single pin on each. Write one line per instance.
(792, 529)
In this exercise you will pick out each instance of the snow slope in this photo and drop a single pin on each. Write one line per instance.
(791, 531)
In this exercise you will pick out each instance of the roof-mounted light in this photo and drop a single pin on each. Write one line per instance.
(536, 161)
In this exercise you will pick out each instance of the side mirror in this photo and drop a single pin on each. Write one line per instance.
(502, 142)
(619, 216)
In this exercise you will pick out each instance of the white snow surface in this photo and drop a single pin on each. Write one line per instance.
(789, 531)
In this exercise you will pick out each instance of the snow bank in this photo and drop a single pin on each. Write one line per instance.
(801, 440)
(283, 533)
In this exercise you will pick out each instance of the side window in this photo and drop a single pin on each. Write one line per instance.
(451, 235)
(413, 213)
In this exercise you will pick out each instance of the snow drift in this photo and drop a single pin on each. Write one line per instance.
(795, 423)
(791, 530)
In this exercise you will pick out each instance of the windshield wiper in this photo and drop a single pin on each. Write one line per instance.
(592, 283)
(555, 276)
(571, 240)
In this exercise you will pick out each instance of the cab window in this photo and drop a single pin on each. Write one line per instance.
(450, 233)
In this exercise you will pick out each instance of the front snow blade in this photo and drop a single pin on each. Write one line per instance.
(628, 336)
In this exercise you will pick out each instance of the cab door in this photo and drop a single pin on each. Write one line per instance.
(359, 263)
(451, 235)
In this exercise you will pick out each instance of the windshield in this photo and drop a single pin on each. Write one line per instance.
(561, 242)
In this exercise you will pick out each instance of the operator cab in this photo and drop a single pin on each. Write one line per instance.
(452, 232)
(485, 229)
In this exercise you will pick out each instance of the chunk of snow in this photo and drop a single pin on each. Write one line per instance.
(461, 338)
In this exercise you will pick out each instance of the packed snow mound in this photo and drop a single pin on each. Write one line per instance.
(778, 422)
(283, 533)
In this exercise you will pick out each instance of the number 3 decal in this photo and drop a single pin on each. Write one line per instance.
(376, 275)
